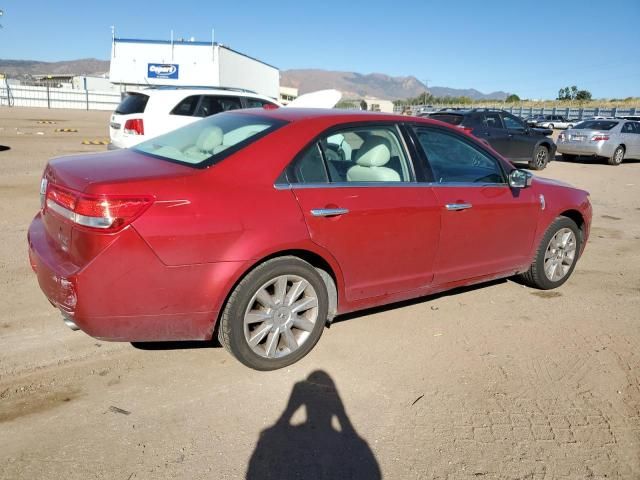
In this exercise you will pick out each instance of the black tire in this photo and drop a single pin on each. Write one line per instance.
(536, 276)
(231, 332)
(540, 158)
(566, 157)
(569, 126)
(551, 126)
(617, 157)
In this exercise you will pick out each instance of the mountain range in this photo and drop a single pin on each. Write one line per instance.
(356, 85)
(351, 84)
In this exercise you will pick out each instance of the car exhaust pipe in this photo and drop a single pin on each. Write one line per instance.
(68, 321)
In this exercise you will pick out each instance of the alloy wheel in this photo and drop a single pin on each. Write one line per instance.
(541, 157)
(280, 316)
(560, 254)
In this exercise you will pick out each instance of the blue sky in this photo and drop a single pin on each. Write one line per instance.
(532, 48)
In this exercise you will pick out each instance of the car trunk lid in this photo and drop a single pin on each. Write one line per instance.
(87, 200)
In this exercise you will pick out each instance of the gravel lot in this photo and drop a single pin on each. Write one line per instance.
(498, 381)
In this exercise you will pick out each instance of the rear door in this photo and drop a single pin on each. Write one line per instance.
(521, 144)
(487, 228)
(636, 139)
(494, 132)
(628, 138)
(357, 190)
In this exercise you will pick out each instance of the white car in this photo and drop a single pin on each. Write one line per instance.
(554, 121)
(153, 111)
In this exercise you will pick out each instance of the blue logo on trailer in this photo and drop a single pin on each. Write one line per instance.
(162, 70)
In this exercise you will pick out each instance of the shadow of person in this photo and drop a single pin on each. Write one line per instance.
(324, 446)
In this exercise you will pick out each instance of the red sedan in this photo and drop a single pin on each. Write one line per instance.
(260, 226)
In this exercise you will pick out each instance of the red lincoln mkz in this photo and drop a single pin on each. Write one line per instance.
(260, 226)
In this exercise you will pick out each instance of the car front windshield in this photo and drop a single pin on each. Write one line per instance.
(211, 139)
(596, 125)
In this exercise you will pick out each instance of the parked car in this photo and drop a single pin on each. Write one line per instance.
(533, 120)
(260, 226)
(506, 133)
(554, 121)
(613, 139)
(153, 111)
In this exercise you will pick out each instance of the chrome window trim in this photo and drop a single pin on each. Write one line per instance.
(291, 186)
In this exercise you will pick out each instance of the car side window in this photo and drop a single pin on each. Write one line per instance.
(257, 103)
(365, 154)
(212, 104)
(356, 154)
(187, 106)
(308, 167)
(454, 160)
(511, 123)
(627, 128)
(492, 120)
(636, 127)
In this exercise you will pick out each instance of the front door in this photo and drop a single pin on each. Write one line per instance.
(487, 228)
(357, 191)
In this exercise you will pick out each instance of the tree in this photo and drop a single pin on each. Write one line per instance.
(583, 95)
(564, 94)
(513, 98)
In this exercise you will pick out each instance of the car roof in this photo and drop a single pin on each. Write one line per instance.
(331, 114)
(182, 92)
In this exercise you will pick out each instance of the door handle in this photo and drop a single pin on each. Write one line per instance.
(328, 212)
(458, 206)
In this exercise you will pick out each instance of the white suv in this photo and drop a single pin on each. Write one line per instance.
(153, 111)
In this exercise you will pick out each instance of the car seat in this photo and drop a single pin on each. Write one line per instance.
(371, 159)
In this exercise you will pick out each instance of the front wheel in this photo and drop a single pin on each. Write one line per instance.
(556, 255)
(540, 158)
(551, 126)
(275, 315)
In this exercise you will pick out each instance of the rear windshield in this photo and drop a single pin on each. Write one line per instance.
(596, 125)
(451, 118)
(211, 139)
(132, 103)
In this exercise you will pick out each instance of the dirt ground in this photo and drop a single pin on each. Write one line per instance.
(498, 381)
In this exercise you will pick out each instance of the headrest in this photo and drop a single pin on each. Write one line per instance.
(209, 138)
(374, 152)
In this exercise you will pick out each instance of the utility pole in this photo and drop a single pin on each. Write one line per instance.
(426, 90)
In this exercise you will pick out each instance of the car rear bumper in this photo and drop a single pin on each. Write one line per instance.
(127, 294)
(598, 149)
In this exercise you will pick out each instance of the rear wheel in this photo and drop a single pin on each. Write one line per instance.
(275, 315)
(556, 255)
(617, 157)
(551, 126)
(540, 158)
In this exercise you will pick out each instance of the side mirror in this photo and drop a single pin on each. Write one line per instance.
(520, 179)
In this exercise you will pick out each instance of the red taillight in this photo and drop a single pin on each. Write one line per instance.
(107, 213)
(599, 138)
(269, 106)
(134, 126)
(466, 129)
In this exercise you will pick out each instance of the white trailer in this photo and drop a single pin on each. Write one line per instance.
(138, 63)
